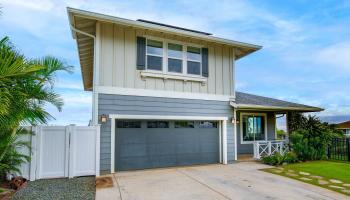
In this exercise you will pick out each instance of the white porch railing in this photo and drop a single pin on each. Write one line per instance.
(266, 148)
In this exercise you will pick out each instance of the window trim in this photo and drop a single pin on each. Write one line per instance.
(165, 57)
(200, 61)
(154, 55)
(241, 126)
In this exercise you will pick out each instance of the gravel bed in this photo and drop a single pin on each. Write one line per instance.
(63, 188)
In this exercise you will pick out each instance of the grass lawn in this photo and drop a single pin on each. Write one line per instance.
(327, 169)
(318, 173)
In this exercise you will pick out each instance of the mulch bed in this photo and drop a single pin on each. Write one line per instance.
(63, 188)
(5, 190)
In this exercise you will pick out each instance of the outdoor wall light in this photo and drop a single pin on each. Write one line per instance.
(103, 118)
(233, 121)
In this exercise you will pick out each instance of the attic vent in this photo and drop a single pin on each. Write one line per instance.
(176, 27)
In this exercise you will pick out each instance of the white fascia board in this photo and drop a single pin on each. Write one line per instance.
(281, 108)
(161, 93)
(143, 25)
(167, 117)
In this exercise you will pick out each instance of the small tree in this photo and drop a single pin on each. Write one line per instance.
(281, 134)
(295, 121)
(311, 138)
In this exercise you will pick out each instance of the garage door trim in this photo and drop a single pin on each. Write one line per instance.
(222, 125)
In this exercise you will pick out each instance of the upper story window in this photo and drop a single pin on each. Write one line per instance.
(168, 56)
(194, 60)
(154, 54)
(175, 58)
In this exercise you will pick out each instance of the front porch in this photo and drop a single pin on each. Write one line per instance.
(257, 133)
(256, 127)
(264, 148)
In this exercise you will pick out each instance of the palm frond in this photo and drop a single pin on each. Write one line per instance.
(51, 66)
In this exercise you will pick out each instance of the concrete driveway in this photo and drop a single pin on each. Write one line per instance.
(235, 181)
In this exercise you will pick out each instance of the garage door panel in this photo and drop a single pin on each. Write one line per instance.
(132, 136)
(138, 162)
(187, 159)
(130, 150)
(188, 148)
(209, 157)
(142, 148)
(164, 161)
(166, 149)
(208, 147)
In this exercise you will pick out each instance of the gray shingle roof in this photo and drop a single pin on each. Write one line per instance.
(260, 101)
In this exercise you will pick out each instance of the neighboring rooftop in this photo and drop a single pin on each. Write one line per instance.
(251, 102)
(344, 125)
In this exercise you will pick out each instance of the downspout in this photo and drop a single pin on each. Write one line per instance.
(94, 93)
(234, 105)
(94, 118)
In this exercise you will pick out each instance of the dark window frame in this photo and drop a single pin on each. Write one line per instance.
(186, 126)
(214, 124)
(158, 124)
(128, 124)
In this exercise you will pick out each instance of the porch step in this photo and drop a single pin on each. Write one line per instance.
(245, 158)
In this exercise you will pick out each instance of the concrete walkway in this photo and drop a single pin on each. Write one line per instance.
(234, 181)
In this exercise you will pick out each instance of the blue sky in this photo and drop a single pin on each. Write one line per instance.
(305, 58)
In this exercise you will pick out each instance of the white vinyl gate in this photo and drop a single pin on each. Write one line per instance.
(62, 151)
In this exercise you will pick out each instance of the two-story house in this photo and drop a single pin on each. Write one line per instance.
(165, 95)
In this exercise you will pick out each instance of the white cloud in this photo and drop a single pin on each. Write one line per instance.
(77, 99)
(334, 56)
(41, 5)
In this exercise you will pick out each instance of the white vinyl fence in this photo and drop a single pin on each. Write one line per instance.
(62, 151)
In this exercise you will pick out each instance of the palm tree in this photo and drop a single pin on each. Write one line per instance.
(26, 87)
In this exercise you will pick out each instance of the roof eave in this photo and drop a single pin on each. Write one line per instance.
(275, 108)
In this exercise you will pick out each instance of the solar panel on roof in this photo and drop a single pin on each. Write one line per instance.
(171, 26)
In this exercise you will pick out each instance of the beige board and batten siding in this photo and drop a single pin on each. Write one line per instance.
(118, 63)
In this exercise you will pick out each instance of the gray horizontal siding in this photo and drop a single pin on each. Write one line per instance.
(137, 105)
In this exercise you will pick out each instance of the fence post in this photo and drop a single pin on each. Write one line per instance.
(254, 150)
(281, 148)
(70, 146)
(97, 150)
(269, 147)
(33, 153)
(348, 145)
(329, 151)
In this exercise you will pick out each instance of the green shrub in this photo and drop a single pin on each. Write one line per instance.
(281, 134)
(291, 157)
(10, 157)
(278, 159)
(311, 141)
(310, 137)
